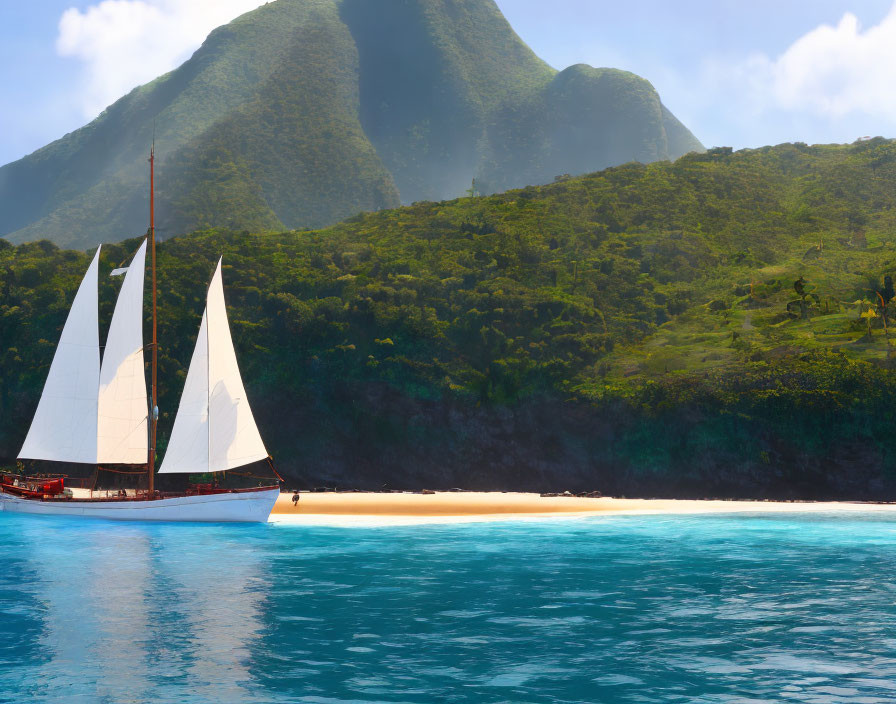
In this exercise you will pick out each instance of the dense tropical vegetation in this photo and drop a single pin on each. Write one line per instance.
(714, 326)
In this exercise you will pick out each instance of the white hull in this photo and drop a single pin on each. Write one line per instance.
(245, 507)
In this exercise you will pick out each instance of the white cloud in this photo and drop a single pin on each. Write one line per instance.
(836, 71)
(124, 43)
(835, 83)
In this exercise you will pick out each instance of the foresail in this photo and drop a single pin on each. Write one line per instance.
(214, 429)
(234, 439)
(65, 423)
(188, 447)
(122, 436)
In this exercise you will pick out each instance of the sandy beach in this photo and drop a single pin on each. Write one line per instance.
(350, 507)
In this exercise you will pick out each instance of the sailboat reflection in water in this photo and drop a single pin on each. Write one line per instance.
(98, 413)
(195, 621)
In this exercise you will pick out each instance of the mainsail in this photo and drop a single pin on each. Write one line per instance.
(65, 423)
(122, 434)
(214, 429)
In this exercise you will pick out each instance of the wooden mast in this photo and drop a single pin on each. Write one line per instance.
(154, 408)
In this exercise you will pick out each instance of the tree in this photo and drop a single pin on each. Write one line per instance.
(869, 315)
(804, 298)
(887, 292)
(884, 296)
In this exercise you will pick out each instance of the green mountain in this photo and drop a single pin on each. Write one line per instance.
(304, 112)
(716, 326)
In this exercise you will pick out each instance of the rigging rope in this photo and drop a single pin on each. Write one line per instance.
(119, 471)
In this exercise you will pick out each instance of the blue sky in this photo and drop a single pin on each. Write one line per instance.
(737, 73)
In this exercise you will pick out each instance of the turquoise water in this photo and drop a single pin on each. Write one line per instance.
(623, 609)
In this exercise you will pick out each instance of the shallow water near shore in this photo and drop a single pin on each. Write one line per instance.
(716, 608)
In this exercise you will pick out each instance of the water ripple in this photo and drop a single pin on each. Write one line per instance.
(627, 609)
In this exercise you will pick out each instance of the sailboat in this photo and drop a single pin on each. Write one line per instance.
(97, 413)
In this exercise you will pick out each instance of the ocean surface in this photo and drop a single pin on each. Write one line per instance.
(722, 608)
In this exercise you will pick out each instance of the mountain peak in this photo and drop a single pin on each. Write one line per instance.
(303, 112)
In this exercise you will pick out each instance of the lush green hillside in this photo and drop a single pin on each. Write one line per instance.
(705, 327)
(304, 112)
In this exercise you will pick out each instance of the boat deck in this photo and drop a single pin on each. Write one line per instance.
(30, 488)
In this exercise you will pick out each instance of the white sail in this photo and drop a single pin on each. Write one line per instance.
(188, 447)
(234, 439)
(213, 410)
(122, 409)
(64, 425)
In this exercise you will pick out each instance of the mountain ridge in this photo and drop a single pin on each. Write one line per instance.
(303, 112)
(709, 327)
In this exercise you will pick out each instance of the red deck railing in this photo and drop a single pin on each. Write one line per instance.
(32, 487)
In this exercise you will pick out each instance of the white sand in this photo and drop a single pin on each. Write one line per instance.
(375, 509)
